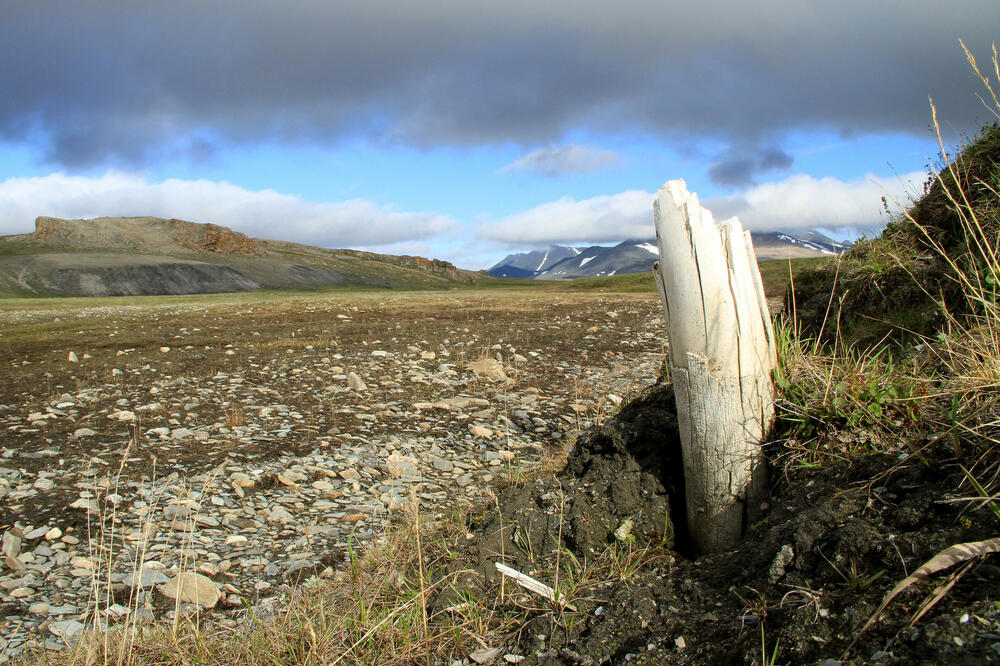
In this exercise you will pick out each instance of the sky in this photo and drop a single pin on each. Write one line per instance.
(466, 130)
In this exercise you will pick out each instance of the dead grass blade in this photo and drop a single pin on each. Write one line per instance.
(961, 552)
(939, 592)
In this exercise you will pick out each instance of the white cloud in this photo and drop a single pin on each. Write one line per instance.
(805, 202)
(601, 219)
(257, 213)
(555, 161)
(797, 202)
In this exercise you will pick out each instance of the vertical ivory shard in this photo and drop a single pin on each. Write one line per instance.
(722, 352)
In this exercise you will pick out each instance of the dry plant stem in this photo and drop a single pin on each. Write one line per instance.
(829, 304)
(415, 507)
(562, 508)
(966, 553)
(503, 555)
(395, 611)
(984, 79)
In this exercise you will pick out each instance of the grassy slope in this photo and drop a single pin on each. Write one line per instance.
(17, 255)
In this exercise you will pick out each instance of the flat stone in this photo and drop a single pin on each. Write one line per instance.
(485, 655)
(291, 477)
(355, 383)
(64, 609)
(82, 563)
(66, 629)
(39, 609)
(208, 569)
(242, 480)
(145, 578)
(488, 367)
(442, 465)
(279, 516)
(192, 588)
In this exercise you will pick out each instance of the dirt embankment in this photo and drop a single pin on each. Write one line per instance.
(430, 265)
(144, 234)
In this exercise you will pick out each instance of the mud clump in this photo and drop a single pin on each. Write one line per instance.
(628, 470)
(799, 588)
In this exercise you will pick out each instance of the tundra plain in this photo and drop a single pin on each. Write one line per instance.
(258, 439)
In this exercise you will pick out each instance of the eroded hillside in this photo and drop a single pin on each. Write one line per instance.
(116, 256)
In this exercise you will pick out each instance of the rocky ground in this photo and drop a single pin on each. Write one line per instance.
(799, 589)
(253, 442)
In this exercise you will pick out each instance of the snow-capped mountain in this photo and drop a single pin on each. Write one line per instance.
(780, 245)
(637, 256)
(627, 257)
(530, 264)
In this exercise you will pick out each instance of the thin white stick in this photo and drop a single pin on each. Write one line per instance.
(529, 583)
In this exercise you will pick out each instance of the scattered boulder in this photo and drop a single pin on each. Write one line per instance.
(355, 383)
(489, 368)
(193, 588)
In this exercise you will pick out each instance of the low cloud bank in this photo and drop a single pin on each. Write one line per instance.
(257, 213)
(797, 202)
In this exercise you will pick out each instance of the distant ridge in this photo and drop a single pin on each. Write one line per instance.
(144, 234)
(110, 256)
(637, 256)
(530, 264)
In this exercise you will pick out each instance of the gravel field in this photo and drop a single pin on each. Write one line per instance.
(165, 456)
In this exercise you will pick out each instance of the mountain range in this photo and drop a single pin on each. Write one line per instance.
(559, 262)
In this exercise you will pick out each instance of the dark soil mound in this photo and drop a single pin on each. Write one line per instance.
(628, 469)
(798, 589)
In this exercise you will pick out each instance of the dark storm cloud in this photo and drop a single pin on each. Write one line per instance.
(738, 166)
(555, 161)
(103, 82)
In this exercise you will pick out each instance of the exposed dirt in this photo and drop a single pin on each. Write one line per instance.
(143, 234)
(797, 590)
